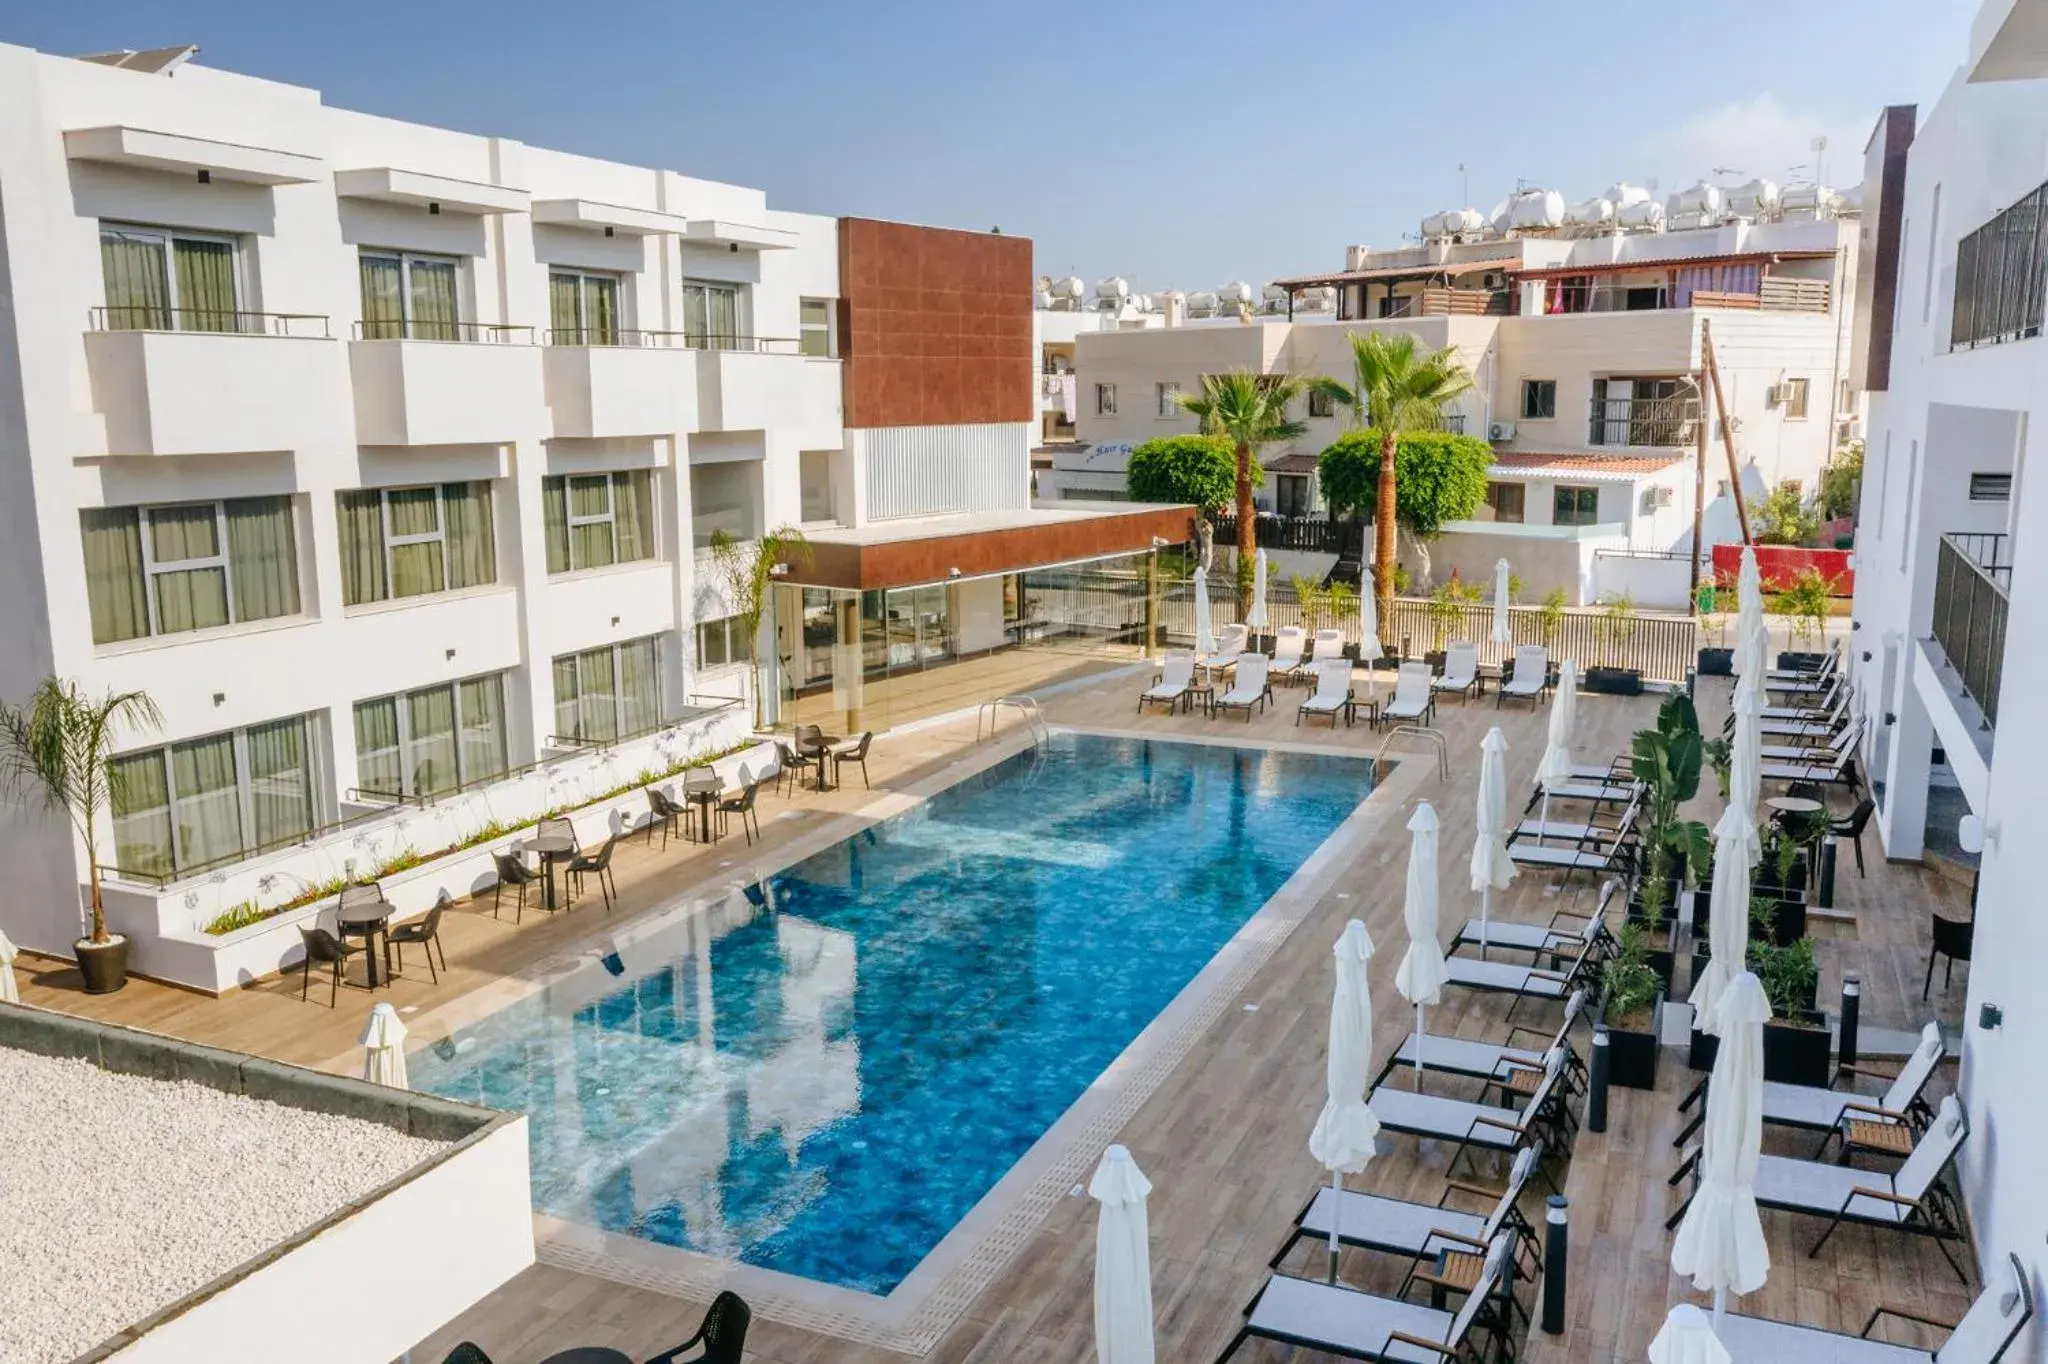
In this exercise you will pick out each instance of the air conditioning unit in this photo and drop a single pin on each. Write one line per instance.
(1772, 395)
(1499, 431)
(1657, 498)
(1495, 279)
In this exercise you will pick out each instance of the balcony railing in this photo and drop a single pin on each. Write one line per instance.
(1642, 421)
(1971, 576)
(614, 336)
(2001, 270)
(228, 321)
(504, 333)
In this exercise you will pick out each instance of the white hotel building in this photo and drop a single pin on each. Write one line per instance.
(385, 459)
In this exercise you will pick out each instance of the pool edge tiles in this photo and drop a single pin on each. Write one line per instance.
(927, 1301)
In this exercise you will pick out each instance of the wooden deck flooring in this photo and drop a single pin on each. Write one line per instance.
(1224, 1138)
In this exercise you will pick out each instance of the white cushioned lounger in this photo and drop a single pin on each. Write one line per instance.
(1983, 1336)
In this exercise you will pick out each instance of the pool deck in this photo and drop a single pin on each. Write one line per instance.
(1223, 1134)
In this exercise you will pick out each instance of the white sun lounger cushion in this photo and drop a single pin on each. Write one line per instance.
(1461, 1056)
(1984, 1333)
(1333, 686)
(1553, 856)
(1357, 1324)
(1249, 684)
(1390, 1224)
(1501, 975)
(1434, 1115)
(1177, 673)
(1517, 937)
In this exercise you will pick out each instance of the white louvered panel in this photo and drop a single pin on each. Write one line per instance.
(939, 470)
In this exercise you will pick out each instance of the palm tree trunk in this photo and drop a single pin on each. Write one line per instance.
(1383, 535)
(99, 909)
(1247, 530)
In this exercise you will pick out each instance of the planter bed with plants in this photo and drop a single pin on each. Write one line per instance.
(1632, 1008)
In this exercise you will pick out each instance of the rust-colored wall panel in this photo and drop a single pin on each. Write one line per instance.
(937, 325)
(907, 563)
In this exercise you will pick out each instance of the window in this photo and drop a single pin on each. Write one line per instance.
(814, 327)
(204, 802)
(711, 315)
(1539, 399)
(1321, 404)
(1792, 398)
(596, 520)
(168, 281)
(1169, 399)
(1991, 487)
(431, 741)
(409, 296)
(1576, 506)
(409, 542)
(1105, 400)
(720, 642)
(1291, 495)
(725, 497)
(609, 693)
(194, 566)
(583, 308)
(1397, 305)
(1506, 500)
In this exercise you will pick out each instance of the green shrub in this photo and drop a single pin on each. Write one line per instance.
(1197, 469)
(1438, 477)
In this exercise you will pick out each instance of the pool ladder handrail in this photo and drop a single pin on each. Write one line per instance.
(1435, 739)
(1027, 706)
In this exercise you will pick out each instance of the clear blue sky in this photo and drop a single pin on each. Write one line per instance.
(1180, 143)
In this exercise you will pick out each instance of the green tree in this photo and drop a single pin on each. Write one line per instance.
(1784, 518)
(58, 748)
(1197, 469)
(1841, 483)
(1438, 478)
(1250, 411)
(747, 569)
(1396, 387)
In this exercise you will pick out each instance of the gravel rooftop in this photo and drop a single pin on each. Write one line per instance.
(119, 1195)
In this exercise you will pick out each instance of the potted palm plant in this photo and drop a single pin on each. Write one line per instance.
(57, 750)
(1797, 1047)
(1778, 903)
(1667, 761)
(1632, 1007)
(1616, 626)
(1715, 659)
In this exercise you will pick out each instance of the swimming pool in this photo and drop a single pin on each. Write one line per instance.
(825, 1088)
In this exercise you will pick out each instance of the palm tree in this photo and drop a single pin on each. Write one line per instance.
(1250, 411)
(749, 568)
(59, 747)
(1396, 386)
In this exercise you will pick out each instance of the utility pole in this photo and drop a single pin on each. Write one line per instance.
(1727, 430)
(1699, 482)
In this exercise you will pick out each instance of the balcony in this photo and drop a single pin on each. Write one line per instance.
(191, 382)
(1642, 421)
(2001, 286)
(1972, 575)
(464, 383)
(750, 383)
(1771, 294)
(630, 383)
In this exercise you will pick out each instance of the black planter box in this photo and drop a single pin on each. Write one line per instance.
(1788, 920)
(1614, 681)
(1791, 660)
(1704, 1048)
(1797, 1055)
(1632, 1055)
(1717, 663)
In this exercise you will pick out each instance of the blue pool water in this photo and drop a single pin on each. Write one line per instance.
(826, 1089)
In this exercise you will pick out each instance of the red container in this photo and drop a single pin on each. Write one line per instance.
(1780, 564)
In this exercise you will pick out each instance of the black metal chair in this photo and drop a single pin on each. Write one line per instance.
(1852, 825)
(791, 766)
(741, 803)
(512, 871)
(424, 931)
(323, 947)
(598, 864)
(722, 1335)
(1952, 938)
(665, 813)
(855, 752)
(468, 1352)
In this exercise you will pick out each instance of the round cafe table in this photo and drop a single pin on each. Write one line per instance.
(703, 795)
(821, 747)
(550, 848)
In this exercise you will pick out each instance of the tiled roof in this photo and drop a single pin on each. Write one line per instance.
(1291, 464)
(1586, 462)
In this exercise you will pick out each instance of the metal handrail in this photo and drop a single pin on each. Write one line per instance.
(1970, 610)
(142, 317)
(501, 333)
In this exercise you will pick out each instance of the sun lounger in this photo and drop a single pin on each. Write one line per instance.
(1497, 1063)
(1840, 771)
(1828, 748)
(1229, 644)
(1414, 702)
(1327, 643)
(1461, 669)
(1591, 830)
(1911, 1198)
(1597, 792)
(1478, 1126)
(1248, 689)
(1566, 931)
(1289, 644)
(1828, 663)
(1333, 694)
(1176, 676)
(1357, 1325)
(1837, 1113)
(1984, 1334)
(1529, 982)
(1821, 703)
(1532, 676)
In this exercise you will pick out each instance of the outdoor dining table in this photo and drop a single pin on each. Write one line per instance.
(369, 921)
(550, 848)
(822, 747)
(703, 795)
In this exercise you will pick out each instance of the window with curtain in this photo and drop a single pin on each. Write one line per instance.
(596, 520)
(205, 802)
(431, 741)
(193, 566)
(583, 308)
(407, 295)
(159, 280)
(814, 327)
(1575, 506)
(609, 693)
(720, 642)
(711, 314)
(410, 542)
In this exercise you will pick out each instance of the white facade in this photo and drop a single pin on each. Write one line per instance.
(222, 289)
(1954, 414)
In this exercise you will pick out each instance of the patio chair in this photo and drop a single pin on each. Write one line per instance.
(468, 1352)
(1953, 939)
(662, 811)
(1176, 675)
(1414, 702)
(558, 827)
(1290, 643)
(741, 803)
(1476, 1127)
(1982, 1336)
(855, 751)
(1852, 825)
(790, 767)
(598, 864)
(512, 871)
(1248, 689)
(1461, 670)
(722, 1335)
(1333, 695)
(423, 932)
(1531, 680)
(1358, 1325)
(1497, 1063)
(1911, 1198)
(1887, 1123)
(327, 950)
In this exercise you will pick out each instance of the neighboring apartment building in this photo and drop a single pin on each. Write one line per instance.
(386, 458)
(1950, 559)
(1585, 345)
